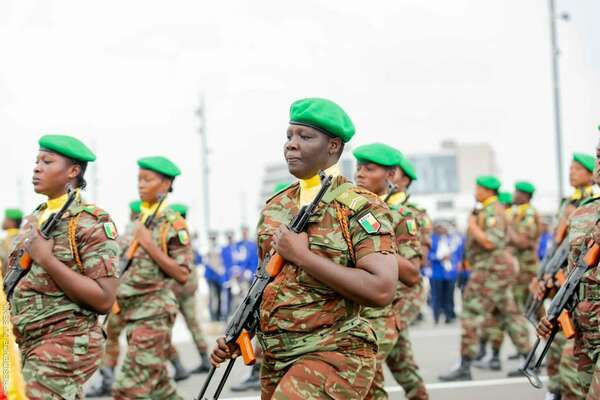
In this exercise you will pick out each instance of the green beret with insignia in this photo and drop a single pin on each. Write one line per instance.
(377, 153)
(136, 206)
(13, 213)
(160, 164)
(67, 146)
(505, 198)
(586, 160)
(488, 182)
(323, 115)
(180, 208)
(407, 167)
(525, 187)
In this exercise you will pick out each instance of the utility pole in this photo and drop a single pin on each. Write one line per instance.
(555, 53)
(201, 113)
(94, 175)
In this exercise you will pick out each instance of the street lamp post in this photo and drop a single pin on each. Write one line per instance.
(201, 113)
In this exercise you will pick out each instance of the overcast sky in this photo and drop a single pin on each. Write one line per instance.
(127, 76)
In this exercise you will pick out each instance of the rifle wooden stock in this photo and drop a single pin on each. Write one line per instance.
(592, 256)
(244, 341)
(25, 261)
(566, 324)
(275, 265)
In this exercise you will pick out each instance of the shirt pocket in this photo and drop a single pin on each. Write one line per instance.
(81, 345)
(328, 247)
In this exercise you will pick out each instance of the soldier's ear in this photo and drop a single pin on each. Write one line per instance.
(335, 146)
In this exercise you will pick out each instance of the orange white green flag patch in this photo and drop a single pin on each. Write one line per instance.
(369, 223)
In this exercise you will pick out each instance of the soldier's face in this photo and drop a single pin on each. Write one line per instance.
(308, 151)
(372, 177)
(579, 176)
(520, 197)
(400, 180)
(151, 184)
(481, 193)
(52, 172)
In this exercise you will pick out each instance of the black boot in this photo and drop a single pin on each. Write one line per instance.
(251, 383)
(517, 373)
(105, 387)
(461, 373)
(181, 373)
(482, 350)
(494, 363)
(204, 366)
(514, 356)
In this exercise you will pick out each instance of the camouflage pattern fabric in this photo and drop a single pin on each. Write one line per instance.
(553, 362)
(148, 308)
(303, 322)
(489, 288)
(402, 365)
(114, 327)
(338, 375)
(6, 245)
(186, 302)
(570, 385)
(61, 342)
(492, 331)
(389, 321)
(586, 316)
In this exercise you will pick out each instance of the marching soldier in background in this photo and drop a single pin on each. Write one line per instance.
(11, 226)
(115, 323)
(400, 360)
(489, 288)
(561, 364)
(315, 342)
(71, 280)
(186, 299)
(146, 301)
(375, 170)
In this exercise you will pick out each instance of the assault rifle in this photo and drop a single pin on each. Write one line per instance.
(16, 273)
(125, 262)
(558, 313)
(550, 269)
(244, 321)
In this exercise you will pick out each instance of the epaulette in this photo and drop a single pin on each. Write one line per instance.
(95, 211)
(179, 223)
(590, 199)
(279, 192)
(353, 199)
(404, 211)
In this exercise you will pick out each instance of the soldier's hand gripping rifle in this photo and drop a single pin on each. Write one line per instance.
(17, 272)
(559, 312)
(243, 323)
(125, 262)
(551, 268)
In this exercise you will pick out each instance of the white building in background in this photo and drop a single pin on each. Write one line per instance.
(445, 184)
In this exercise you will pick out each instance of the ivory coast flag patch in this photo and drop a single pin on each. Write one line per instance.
(369, 223)
(110, 230)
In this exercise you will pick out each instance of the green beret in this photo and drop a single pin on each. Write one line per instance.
(67, 146)
(505, 198)
(136, 206)
(180, 208)
(489, 182)
(279, 187)
(525, 187)
(586, 160)
(378, 153)
(159, 164)
(13, 213)
(322, 115)
(407, 167)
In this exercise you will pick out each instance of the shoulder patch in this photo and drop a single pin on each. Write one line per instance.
(352, 200)
(369, 223)
(183, 236)
(411, 226)
(94, 210)
(110, 230)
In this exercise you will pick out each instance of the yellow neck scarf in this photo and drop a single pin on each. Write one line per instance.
(147, 209)
(582, 193)
(311, 186)
(522, 209)
(54, 205)
(12, 231)
(489, 201)
(395, 199)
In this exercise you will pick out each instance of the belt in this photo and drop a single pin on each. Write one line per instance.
(589, 291)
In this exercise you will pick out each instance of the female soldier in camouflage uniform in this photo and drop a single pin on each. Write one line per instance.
(72, 278)
(315, 343)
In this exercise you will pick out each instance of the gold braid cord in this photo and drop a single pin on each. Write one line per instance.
(343, 219)
(164, 231)
(71, 232)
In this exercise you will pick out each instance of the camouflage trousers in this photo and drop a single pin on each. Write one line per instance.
(114, 327)
(59, 366)
(319, 375)
(144, 372)
(492, 331)
(187, 307)
(521, 288)
(387, 332)
(587, 346)
(570, 387)
(488, 293)
(405, 370)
